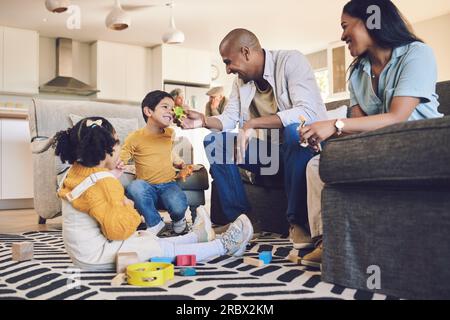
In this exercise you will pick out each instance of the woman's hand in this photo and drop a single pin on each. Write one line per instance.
(317, 132)
(118, 170)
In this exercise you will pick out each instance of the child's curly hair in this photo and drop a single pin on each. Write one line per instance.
(87, 142)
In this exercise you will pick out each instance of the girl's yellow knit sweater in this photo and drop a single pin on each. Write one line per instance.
(104, 201)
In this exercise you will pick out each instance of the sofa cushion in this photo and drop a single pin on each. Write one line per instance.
(407, 154)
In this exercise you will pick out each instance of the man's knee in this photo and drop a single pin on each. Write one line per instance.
(290, 135)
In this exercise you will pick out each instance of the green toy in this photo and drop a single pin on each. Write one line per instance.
(179, 113)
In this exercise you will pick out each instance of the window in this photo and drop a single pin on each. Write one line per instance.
(322, 77)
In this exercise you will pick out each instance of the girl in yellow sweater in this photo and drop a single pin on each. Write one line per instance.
(99, 220)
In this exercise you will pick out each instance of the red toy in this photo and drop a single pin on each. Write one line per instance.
(186, 260)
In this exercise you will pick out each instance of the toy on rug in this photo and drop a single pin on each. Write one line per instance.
(161, 259)
(22, 251)
(253, 262)
(124, 259)
(149, 274)
(293, 256)
(188, 272)
(266, 256)
(186, 260)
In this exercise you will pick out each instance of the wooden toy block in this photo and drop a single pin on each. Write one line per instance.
(22, 251)
(188, 272)
(253, 262)
(161, 260)
(266, 256)
(124, 259)
(118, 280)
(186, 260)
(294, 259)
(293, 256)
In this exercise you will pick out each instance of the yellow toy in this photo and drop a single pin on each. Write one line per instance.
(149, 274)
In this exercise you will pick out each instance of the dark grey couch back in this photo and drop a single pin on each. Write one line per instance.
(442, 89)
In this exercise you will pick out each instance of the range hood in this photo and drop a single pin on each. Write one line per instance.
(65, 82)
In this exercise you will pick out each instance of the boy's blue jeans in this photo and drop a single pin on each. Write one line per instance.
(292, 158)
(148, 197)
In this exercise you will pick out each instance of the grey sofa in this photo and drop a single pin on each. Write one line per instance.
(50, 116)
(386, 203)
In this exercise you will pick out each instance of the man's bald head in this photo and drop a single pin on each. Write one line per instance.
(239, 38)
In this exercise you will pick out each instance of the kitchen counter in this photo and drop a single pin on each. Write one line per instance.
(13, 113)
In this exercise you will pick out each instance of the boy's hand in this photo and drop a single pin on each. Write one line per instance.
(119, 169)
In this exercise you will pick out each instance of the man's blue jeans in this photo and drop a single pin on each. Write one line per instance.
(148, 197)
(293, 160)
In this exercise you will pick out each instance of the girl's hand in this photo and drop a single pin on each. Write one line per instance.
(128, 202)
(118, 170)
(317, 132)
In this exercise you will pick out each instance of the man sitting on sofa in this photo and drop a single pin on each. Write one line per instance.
(273, 90)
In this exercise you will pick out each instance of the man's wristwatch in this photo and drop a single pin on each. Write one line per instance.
(339, 124)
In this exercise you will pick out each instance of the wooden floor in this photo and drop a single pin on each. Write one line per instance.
(18, 221)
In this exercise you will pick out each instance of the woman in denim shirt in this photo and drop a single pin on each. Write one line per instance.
(392, 80)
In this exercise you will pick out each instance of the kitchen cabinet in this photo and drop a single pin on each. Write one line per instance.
(173, 64)
(120, 71)
(16, 167)
(19, 63)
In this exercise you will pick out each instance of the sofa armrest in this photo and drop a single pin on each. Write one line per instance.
(415, 153)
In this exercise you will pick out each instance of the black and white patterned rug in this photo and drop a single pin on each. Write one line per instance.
(50, 275)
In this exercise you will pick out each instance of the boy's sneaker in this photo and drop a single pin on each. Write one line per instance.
(236, 238)
(156, 230)
(179, 226)
(203, 226)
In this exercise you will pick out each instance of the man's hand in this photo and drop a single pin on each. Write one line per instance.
(119, 169)
(193, 120)
(245, 133)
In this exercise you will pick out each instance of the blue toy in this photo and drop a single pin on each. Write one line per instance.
(161, 260)
(188, 272)
(266, 256)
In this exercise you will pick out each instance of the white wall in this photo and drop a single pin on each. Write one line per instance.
(435, 32)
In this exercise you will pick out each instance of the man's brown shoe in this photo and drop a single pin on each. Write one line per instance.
(314, 259)
(299, 237)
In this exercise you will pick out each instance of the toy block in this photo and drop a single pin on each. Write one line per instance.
(294, 259)
(118, 280)
(124, 259)
(186, 260)
(266, 256)
(22, 251)
(161, 260)
(188, 272)
(253, 262)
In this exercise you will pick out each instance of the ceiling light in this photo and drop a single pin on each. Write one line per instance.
(57, 6)
(173, 35)
(118, 19)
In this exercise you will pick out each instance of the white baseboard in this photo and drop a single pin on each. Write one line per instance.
(16, 204)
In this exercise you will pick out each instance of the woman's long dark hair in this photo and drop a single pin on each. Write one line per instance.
(395, 30)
